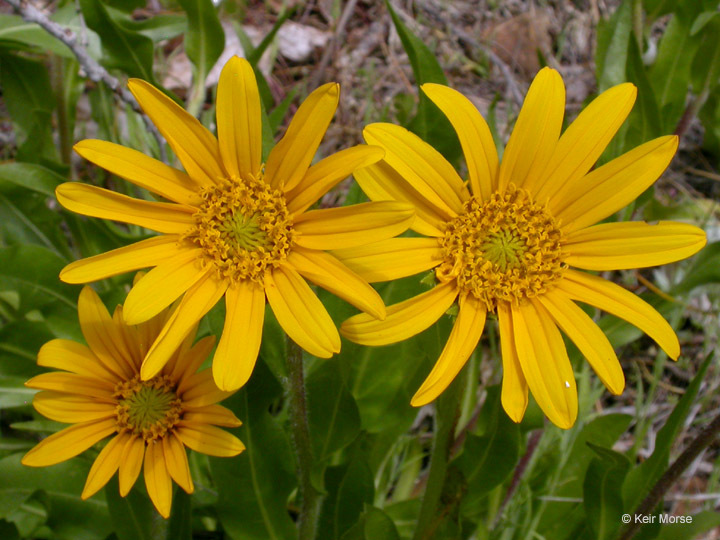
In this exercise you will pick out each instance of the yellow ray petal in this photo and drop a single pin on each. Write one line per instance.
(380, 182)
(71, 383)
(300, 312)
(618, 246)
(105, 465)
(131, 463)
(211, 414)
(514, 393)
(72, 408)
(463, 339)
(390, 259)
(238, 118)
(290, 158)
(131, 338)
(585, 140)
(587, 336)
(68, 443)
(474, 134)
(545, 363)
(326, 173)
(157, 479)
(142, 254)
(194, 145)
(403, 320)
(326, 271)
(350, 226)
(75, 358)
(162, 285)
(209, 440)
(423, 167)
(102, 336)
(176, 461)
(170, 218)
(198, 300)
(189, 362)
(612, 298)
(200, 390)
(613, 186)
(141, 170)
(239, 345)
(536, 132)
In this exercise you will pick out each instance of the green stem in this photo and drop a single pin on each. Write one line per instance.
(446, 413)
(300, 432)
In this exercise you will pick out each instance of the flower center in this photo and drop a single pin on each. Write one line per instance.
(243, 227)
(508, 248)
(147, 408)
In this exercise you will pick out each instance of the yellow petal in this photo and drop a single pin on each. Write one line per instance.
(613, 186)
(403, 320)
(71, 383)
(536, 132)
(209, 440)
(162, 285)
(198, 300)
(176, 462)
(300, 312)
(157, 479)
(211, 414)
(72, 408)
(474, 134)
(350, 226)
(514, 393)
(545, 364)
(105, 465)
(612, 298)
(587, 336)
(325, 174)
(239, 345)
(585, 140)
(142, 254)
(423, 167)
(189, 362)
(131, 463)
(141, 170)
(200, 390)
(463, 339)
(380, 182)
(238, 118)
(390, 259)
(618, 246)
(102, 334)
(170, 218)
(75, 358)
(290, 158)
(195, 147)
(326, 271)
(68, 443)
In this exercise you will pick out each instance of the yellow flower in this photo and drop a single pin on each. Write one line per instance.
(236, 227)
(506, 243)
(100, 392)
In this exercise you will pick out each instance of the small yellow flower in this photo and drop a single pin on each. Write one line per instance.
(506, 243)
(236, 227)
(101, 393)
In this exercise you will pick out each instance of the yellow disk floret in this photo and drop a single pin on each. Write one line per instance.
(149, 409)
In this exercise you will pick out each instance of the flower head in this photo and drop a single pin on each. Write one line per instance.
(511, 242)
(100, 392)
(236, 227)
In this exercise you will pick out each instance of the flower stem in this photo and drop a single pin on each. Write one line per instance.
(300, 432)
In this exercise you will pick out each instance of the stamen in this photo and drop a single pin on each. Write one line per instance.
(148, 409)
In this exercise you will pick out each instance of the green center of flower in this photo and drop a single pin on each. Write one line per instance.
(505, 249)
(147, 408)
(243, 227)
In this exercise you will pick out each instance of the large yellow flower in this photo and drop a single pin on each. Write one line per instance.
(506, 243)
(236, 227)
(100, 392)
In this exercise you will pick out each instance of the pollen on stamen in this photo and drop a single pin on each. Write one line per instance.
(505, 249)
(243, 227)
(148, 409)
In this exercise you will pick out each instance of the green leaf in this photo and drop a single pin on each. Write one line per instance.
(349, 488)
(159, 27)
(179, 526)
(613, 40)
(705, 268)
(205, 38)
(705, 69)
(602, 490)
(14, 393)
(254, 55)
(644, 120)
(19, 344)
(333, 417)
(254, 487)
(374, 524)
(15, 31)
(133, 516)
(702, 522)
